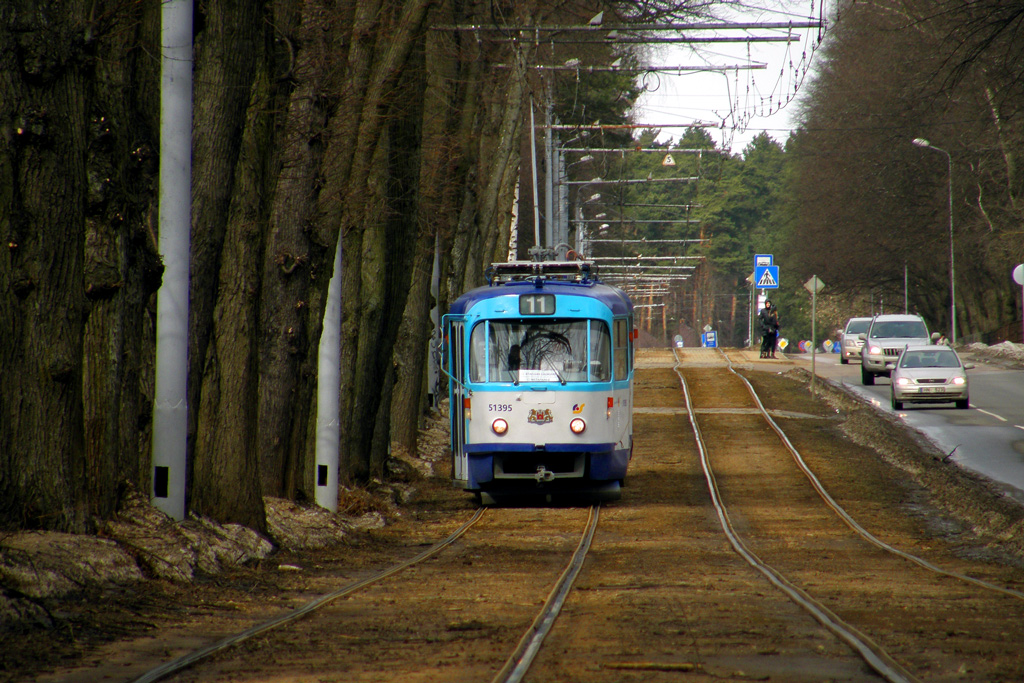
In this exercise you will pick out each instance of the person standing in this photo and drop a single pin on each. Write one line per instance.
(768, 318)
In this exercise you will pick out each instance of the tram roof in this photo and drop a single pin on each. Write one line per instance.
(546, 280)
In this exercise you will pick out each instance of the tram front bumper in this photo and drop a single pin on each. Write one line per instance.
(522, 464)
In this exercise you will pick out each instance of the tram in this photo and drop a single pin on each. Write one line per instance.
(540, 382)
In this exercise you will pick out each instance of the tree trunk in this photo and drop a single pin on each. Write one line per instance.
(44, 108)
(436, 172)
(289, 266)
(369, 381)
(378, 68)
(122, 267)
(496, 174)
(227, 425)
(225, 482)
(354, 41)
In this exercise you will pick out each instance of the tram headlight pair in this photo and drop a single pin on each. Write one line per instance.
(500, 426)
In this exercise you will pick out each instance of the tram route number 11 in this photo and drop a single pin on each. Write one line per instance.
(537, 304)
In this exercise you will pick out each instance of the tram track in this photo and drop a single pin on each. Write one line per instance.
(662, 591)
(743, 415)
(849, 520)
(508, 523)
(871, 652)
(185, 661)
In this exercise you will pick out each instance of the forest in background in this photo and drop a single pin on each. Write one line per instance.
(377, 124)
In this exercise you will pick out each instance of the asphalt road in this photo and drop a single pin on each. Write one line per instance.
(987, 439)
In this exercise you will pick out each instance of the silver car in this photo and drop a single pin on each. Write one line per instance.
(850, 342)
(930, 374)
(885, 340)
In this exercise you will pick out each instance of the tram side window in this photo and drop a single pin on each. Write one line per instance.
(631, 342)
(600, 352)
(621, 349)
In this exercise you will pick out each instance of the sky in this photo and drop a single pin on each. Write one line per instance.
(741, 103)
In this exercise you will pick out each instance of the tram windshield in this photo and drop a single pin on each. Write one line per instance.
(540, 351)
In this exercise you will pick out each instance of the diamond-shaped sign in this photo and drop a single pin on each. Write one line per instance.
(814, 285)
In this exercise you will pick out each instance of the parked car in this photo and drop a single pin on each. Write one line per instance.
(850, 342)
(885, 339)
(930, 374)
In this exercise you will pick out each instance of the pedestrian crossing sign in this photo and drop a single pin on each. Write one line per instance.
(766, 277)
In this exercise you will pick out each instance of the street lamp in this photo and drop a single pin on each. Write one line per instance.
(582, 247)
(921, 142)
(560, 215)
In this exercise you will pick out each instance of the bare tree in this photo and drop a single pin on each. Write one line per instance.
(222, 390)
(122, 267)
(43, 106)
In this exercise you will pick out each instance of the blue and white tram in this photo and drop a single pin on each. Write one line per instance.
(540, 367)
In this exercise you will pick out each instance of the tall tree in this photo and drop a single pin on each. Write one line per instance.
(122, 267)
(443, 98)
(293, 260)
(225, 481)
(44, 104)
(353, 208)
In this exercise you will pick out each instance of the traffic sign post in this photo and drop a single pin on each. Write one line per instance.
(814, 285)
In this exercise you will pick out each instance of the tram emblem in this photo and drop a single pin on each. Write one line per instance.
(577, 408)
(539, 417)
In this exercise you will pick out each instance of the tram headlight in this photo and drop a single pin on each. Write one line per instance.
(578, 426)
(499, 426)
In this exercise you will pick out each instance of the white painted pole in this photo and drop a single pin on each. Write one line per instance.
(814, 332)
(170, 410)
(328, 394)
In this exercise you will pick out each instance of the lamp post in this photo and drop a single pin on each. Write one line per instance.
(921, 142)
(561, 219)
(582, 246)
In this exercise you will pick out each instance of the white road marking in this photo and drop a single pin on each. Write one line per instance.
(998, 417)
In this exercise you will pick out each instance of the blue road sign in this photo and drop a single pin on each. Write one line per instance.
(709, 339)
(766, 277)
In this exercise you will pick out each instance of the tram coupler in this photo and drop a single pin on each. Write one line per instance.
(543, 474)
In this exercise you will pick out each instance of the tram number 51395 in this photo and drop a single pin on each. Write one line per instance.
(499, 407)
